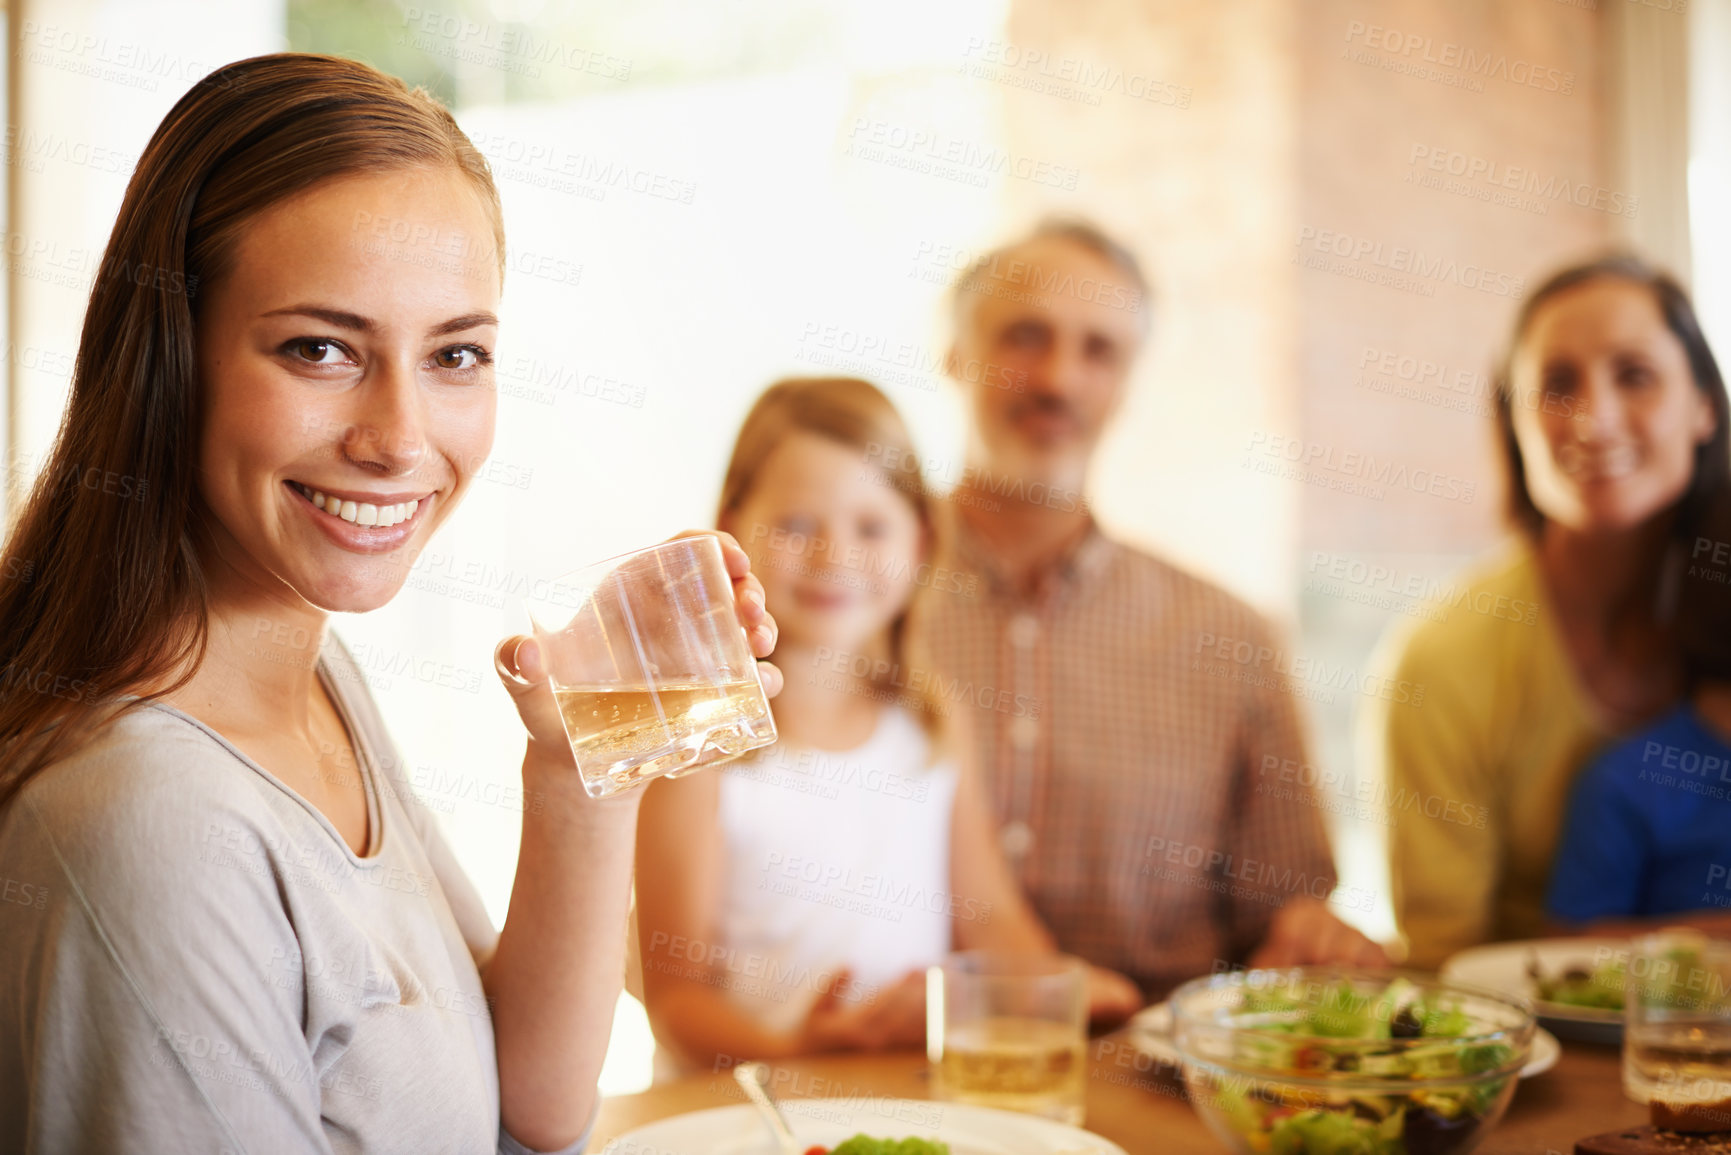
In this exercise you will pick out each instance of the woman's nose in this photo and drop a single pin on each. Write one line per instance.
(388, 428)
(1598, 411)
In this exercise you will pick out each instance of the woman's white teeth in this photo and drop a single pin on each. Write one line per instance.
(364, 512)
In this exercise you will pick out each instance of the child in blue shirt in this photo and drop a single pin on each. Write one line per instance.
(1648, 832)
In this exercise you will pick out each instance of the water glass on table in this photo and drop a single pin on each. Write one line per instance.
(1677, 1029)
(1009, 1031)
(651, 669)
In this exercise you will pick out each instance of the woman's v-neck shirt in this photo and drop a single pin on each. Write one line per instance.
(193, 959)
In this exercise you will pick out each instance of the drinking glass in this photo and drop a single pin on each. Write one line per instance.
(1677, 1028)
(651, 669)
(1010, 1031)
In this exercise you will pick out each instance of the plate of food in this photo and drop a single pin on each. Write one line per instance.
(1151, 1034)
(1576, 984)
(863, 1126)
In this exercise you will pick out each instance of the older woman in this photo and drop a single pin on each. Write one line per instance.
(238, 937)
(1612, 420)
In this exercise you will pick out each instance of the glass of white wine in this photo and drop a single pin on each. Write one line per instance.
(1677, 1029)
(1009, 1031)
(651, 669)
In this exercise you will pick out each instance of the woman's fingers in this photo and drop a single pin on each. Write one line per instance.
(518, 659)
(523, 672)
(748, 598)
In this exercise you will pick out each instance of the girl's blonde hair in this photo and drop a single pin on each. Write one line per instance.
(856, 414)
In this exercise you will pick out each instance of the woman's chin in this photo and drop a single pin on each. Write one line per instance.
(338, 596)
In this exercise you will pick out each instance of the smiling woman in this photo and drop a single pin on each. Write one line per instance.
(1612, 420)
(245, 933)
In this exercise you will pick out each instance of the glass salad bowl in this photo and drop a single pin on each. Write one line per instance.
(1323, 1061)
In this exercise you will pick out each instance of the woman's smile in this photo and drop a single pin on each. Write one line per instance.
(359, 521)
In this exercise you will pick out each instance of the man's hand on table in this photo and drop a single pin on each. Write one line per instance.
(1306, 933)
(1112, 998)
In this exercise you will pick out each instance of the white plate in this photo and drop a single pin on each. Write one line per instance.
(737, 1130)
(1151, 1034)
(1502, 966)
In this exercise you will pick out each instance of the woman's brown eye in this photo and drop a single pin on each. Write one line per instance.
(456, 357)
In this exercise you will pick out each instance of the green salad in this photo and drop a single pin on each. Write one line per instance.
(1599, 987)
(1274, 1091)
(866, 1145)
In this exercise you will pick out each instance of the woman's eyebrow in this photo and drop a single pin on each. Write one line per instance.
(338, 317)
(344, 319)
(466, 321)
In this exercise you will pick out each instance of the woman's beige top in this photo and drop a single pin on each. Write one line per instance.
(1475, 768)
(192, 959)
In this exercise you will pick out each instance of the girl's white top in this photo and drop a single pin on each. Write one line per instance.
(833, 860)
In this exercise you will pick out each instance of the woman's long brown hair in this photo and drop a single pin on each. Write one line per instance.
(101, 593)
(856, 414)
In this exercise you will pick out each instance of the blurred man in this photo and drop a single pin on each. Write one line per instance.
(1146, 763)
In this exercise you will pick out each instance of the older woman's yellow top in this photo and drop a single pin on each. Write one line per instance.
(1475, 769)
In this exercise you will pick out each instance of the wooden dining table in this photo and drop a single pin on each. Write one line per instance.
(1139, 1104)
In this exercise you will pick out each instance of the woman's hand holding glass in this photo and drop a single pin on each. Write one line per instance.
(523, 668)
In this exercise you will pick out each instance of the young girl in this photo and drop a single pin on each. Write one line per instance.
(790, 902)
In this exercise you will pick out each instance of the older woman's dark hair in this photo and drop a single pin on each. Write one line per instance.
(1712, 458)
(102, 599)
(1704, 595)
